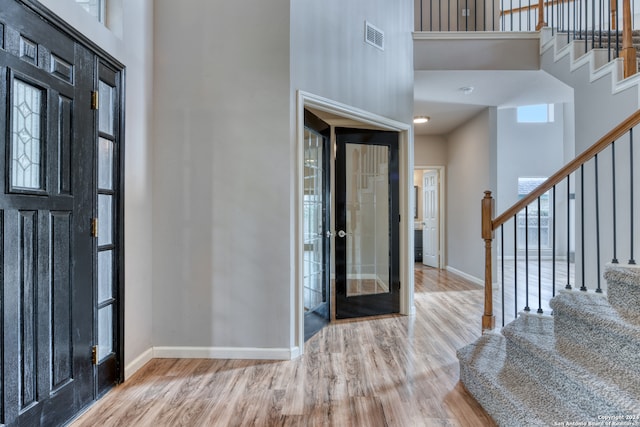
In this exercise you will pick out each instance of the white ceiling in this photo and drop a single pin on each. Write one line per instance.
(437, 94)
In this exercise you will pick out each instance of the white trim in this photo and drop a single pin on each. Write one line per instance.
(245, 353)
(137, 363)
(476, 35)
(464, 275)
(308, 100)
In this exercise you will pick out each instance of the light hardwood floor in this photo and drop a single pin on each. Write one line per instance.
(384, 371)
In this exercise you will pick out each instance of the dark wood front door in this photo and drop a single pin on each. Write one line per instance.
(48, 141)
(367, 223)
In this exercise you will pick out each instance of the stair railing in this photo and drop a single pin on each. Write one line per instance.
(569, 206)
(596, 23)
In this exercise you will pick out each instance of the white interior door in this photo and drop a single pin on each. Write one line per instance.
(431, 218)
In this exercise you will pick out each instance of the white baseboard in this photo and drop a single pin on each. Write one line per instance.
(138, 363)
(465, 275)
(226, 353)
(209, 353)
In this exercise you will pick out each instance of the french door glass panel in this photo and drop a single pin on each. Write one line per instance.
(367, 233)
(367, 249)
(314, 238)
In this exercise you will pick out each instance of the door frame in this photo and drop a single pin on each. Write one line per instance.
(405, 151)
(441, 208)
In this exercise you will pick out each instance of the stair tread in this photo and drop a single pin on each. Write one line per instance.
(587, 306)
(504, 391)
(535, 336)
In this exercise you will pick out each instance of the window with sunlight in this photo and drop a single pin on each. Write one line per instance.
(539, 113)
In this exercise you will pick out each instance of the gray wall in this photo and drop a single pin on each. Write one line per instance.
(224, 164)
(471, 171)
(330, 58)
(429, 150)
(221, 214)
(597, 111)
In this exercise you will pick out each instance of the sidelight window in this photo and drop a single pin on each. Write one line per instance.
(95, 8)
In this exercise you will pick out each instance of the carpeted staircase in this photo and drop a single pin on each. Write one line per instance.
(579, 366)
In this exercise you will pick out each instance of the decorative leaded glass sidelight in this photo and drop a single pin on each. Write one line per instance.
(26, 137)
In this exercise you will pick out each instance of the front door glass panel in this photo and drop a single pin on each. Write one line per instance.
(26, 136)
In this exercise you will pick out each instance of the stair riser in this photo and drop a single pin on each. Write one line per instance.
(580, 397)
(495, 403)
(624, 292)
(616, 347)
(622, 376)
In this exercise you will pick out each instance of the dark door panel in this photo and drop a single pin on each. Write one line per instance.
(367, 223)
(46, 205)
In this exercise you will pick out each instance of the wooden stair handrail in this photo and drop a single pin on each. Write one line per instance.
(569, 168)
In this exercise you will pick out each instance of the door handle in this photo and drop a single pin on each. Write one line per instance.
(341, 233)
(330, 234)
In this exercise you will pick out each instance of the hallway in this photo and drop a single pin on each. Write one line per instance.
(387, 371)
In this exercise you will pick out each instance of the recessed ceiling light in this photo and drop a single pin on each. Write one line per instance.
(466, 89)
(421, 119)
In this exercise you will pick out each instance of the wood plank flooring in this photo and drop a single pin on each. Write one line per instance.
(383, 371)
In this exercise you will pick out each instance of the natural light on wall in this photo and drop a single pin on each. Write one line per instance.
(539, 113)
(94, 7)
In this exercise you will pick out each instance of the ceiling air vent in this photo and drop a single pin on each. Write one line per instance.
(373, 36)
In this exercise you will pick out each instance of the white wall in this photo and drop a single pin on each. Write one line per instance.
(529, 150)
(471, 170)
(133, 47)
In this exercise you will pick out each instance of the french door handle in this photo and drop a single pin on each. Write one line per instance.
(330, 234)
(341, 233)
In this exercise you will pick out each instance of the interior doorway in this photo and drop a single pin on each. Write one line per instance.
(342, 116)
(367, 250)
(430, 231)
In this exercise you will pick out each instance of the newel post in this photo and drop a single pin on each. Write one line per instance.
(541, 22)
(628, 51)
(488, 210)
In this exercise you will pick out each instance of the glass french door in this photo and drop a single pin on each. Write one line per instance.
(367, 246)
(316, 225)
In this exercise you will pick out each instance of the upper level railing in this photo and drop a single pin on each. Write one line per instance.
(587, 208)
(602, 24)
